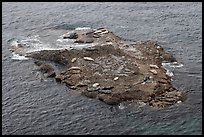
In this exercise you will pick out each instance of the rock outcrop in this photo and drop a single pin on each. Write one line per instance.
(113, 70)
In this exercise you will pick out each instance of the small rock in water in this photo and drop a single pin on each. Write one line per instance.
(95, 85)
(73, 60)
(20, 45)
(153, 66)
(153, 71)
(88, 58)
(116, 78)
(51, 74)
(70, 36)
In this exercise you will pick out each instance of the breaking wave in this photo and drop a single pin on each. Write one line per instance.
(18, 57)
(170, 66)
(34, 43)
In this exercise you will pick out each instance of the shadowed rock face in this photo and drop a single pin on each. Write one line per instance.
(113, 70)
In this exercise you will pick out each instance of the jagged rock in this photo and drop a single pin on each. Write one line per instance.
(107, 91)
(83, 40)
(51, 74)
(70, 36)
(153, 71)
(59, 78)
(46, 68)
(169, 57)
(109, 99)
(89, 94)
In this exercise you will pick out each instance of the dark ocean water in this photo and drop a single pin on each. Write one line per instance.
(35, 105)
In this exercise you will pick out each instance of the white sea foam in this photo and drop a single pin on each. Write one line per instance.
(83, 28)
(32, 39)
(18, 57)
(14, 43)
(121, 106)
(169, 73)
(141, 104)
(172, 64)
(33, 43)
(169, 66)
(69, 43)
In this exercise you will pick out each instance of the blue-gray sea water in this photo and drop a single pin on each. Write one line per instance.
(32, 105)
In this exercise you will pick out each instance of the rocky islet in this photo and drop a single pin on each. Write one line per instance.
(113, 70)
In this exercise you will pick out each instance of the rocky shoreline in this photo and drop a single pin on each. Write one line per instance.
(113, 70)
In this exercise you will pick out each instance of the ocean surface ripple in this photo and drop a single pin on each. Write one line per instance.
(33, 104)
